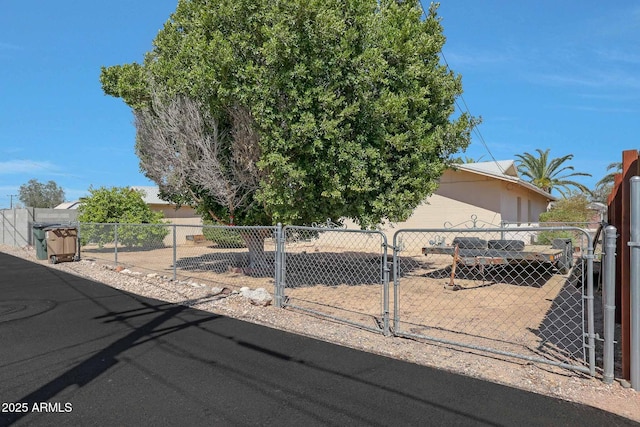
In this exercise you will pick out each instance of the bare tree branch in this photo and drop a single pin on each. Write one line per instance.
(181, 146)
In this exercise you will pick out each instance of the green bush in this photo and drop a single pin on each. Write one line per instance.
(570, 211)
(223, 236)
(98, 234)
(137, 224)
(142, 235)
(129, 235)
(546, 237)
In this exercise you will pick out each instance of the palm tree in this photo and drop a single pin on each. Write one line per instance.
(609, 179)
(550, 174)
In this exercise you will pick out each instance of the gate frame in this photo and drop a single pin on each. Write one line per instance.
(281, 273)
(589, 297)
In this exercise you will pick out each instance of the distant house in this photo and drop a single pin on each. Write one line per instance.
(183, 215)
(491, 192)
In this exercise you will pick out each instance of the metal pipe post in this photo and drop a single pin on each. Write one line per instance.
(396, 278)
(634, 282)
(115, 243)
(385, 286)
(591, 335)
(175, 253)
(278, 279)
(608, 271)
(14, 228)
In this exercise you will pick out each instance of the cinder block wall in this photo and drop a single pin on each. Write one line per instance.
(16, 225)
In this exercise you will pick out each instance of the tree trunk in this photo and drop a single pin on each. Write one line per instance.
(258, 263)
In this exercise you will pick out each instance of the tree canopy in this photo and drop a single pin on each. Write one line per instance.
(35, 194)
(327, 108)
(550, 174)
(604, 187)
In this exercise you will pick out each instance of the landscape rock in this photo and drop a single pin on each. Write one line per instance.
(259, 296)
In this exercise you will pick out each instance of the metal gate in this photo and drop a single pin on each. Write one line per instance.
(336, 273)
(521, 292)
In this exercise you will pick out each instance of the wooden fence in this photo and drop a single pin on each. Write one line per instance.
(619, 204)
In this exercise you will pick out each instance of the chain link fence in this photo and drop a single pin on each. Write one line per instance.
(521, 292)
(220, 256)
(337, 273)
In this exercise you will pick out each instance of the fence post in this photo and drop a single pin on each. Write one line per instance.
(14, 228)
(396, 269)
(609, 296)
(115, 243)
(591, 336)
(634, 281)
(175, 254)
(278, 291)
(385, 286)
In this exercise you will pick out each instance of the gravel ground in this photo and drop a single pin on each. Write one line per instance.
(253, 306)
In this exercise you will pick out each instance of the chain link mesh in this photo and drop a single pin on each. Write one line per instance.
(221, 256)
(512, 291)
(336, 273)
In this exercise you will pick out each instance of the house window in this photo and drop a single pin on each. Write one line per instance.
(529, 212)
(519, 210)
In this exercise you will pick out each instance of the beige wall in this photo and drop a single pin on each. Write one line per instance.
(522, 205)
(462, 194)
(170, 212)
(182, 216)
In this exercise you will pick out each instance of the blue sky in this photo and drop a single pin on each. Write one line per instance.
(545, 74)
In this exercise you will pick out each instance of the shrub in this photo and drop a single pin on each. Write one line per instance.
(571, 211)
(223, 236)
(122, 206)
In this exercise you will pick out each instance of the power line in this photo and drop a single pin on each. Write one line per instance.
(475, 130)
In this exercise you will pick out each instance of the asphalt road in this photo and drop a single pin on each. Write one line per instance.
(77, 352)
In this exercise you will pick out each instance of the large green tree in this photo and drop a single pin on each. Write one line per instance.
(550, 174)
(331, 108)
(35, 194)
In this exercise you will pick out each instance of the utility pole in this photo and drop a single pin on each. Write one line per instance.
(12, 196)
